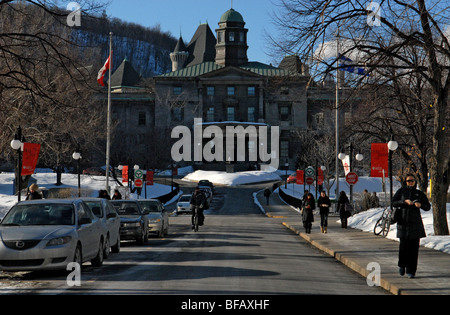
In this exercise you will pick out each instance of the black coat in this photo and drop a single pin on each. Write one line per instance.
(341, 205)
(410, 225)
(324, 201)
(307, 214)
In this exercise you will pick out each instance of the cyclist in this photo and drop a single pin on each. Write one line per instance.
(197, 202)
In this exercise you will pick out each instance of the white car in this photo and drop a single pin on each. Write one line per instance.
(49, 234)
(158, 218)
(183, 204)
(110, 220)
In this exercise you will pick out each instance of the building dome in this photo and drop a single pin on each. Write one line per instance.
(231, 16)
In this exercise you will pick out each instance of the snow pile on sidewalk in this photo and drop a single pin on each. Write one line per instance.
(233, 179)
(366, 221)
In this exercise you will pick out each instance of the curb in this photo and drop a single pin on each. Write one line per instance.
(350, 263)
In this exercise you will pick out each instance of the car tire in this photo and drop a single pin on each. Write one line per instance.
(98, 260)
(77, 256)
(116, 248)
(107, 248)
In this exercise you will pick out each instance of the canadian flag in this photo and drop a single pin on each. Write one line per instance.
(101, 73)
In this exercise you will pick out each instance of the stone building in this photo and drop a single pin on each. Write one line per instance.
(213, 80)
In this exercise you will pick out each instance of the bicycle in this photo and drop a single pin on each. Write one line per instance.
(196, 218)
(384, 223)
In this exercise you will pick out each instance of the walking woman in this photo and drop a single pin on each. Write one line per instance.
(410, 227)
(324, 204)
(307, 214)
(343, 199)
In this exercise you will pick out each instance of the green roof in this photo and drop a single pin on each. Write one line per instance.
(231, 16)
(209, 66)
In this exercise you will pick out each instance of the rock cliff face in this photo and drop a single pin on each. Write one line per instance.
(147, 49)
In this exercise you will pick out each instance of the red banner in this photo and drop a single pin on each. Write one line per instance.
(149, 178)
(379, 160)
(125, 174)
(30, 157)
(320, 177)
(300, 175)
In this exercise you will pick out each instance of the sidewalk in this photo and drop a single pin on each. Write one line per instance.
(357, 249)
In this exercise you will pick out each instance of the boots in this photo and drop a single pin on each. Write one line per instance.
(325, 230)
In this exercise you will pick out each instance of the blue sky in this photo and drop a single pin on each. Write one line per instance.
(186, 15)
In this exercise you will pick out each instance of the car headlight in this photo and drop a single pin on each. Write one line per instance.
(59, 241)
(134, 224)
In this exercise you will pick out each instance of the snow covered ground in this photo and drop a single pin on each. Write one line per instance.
(364, 221)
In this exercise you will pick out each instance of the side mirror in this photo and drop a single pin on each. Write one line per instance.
(82, 221)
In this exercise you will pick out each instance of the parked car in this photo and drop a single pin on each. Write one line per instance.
(292, 178)
(158, 218)
(48, 234)
(205, 182)
(110, 220)
(94, 171)
(183, 204)
(133, 221)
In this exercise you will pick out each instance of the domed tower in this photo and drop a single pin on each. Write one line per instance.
(179, 56)
(231, 46)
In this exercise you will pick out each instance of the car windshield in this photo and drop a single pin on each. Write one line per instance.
(127, 208)
(40, 214)
(185, 198)
(151, 206)
(96, 208)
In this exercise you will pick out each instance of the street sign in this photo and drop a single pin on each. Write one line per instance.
(138, 182)
(138, 174)
(309, 172)
(309, 180)
(351, 178)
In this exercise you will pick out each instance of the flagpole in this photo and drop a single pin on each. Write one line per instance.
(108, 116)
(337, 115)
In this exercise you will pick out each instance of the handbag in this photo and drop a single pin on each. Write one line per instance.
(348, 209)
(396, 216)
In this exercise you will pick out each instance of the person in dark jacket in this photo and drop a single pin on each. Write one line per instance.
(34, 193)
(343, 214)
(324, 204)
(307, 214)
(410, 227)
(198, 200)
(267, 195)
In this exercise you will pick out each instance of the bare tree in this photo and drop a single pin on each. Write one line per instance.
(46, 82)
(381, 42)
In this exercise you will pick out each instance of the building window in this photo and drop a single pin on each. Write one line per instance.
(242, 37)
(251, 91)
(319, 119)
(284, 90)
(177, 113)
(251, 114)
(210, 91)
(231, 36)
(177, 90)
(142, 119)
(231, 90)
(210, 114)
(284, 149)
(220, 37)
(230, 113)
(285, 112)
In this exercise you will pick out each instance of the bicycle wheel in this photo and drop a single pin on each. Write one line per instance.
(196, 221)
(387, 226)
(379, 226)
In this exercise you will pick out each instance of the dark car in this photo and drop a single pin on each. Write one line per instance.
(133, 221)
(205, 182)
(94, 171)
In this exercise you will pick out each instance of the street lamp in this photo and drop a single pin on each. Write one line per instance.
(16, 144)
(392, 146)
(77, 156)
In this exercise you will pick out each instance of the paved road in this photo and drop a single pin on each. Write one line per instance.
(238, 251)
